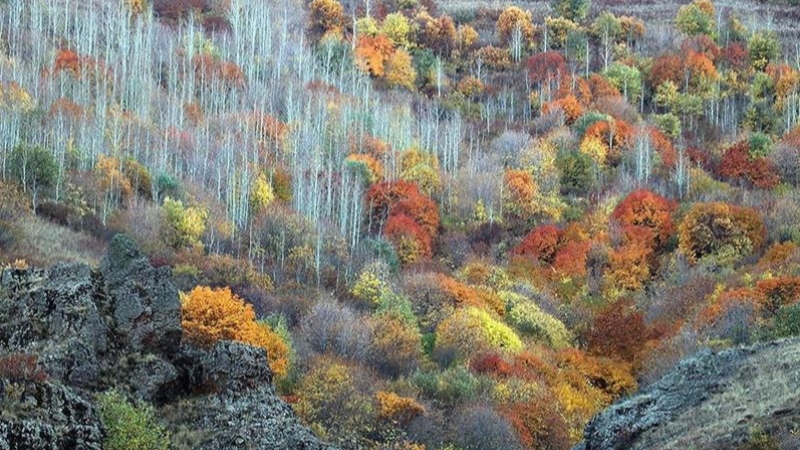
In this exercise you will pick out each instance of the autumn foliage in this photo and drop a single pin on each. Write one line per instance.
(738, 164)
(722, 230)
(646, 218)
(210, 315)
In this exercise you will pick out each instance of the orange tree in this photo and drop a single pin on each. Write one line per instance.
(210, 315)
(647, 216)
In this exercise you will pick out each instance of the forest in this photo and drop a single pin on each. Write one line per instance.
(450, 227)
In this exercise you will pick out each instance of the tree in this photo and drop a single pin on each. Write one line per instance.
(184, 225)
(400, 70)
(326, 16)
(546, 68)
(627, 79)
(645, 217)
(666, 68)
(389, 198)
(576, 172)
(397, 28)
(35, 169)
(574, 10)
(210, 315)
(115, 187)
(720, 231)
(373, 53)
(261, 194)
(763, 47)
(607, 28)
(696, 18)
(515, 27)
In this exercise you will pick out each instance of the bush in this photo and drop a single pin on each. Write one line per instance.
(482, 428)
(130, 427)
(453, 386)
(333, 328)
(786, 323)
(396, 346)
(530, 320)
(722, 231)
(336, 402)
(21, 367)
(471, 330)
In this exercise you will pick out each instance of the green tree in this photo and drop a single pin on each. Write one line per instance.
(696, 18)
(574, 10)
(627, 79)
(763, 47)
(184, 225)
(34, 168)
(575, 169)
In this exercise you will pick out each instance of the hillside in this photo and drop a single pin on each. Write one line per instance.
(394, 224)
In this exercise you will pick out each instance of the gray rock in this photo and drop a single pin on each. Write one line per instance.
(233, 366)
(711, 400)
(152, 378)
(46, 416)
(250, 419)
(144, 300)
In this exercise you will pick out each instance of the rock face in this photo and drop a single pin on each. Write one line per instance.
(710, 401)
(120, 327)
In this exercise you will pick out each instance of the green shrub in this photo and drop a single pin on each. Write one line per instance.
(530, 320)
(130, 427)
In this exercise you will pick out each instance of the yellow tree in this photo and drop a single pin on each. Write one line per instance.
(400, 70)
(210, 315)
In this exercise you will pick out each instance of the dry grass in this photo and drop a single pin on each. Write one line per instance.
(42, 243)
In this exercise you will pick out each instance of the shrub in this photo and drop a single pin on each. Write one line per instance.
(130, 427)
(335, 400)
(333, 328)
(786, 323)
(779, 292)
(210, 315)
(21, 367)
(482, 428)
(471, 330)
(538, 423)
(530, 320)
(396, 346)
(396, 409)
(739, 164)
(618, 332)
(452, 386)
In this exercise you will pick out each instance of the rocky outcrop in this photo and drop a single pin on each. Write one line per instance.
(46, 416)
(119, 327)
(709, 401)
